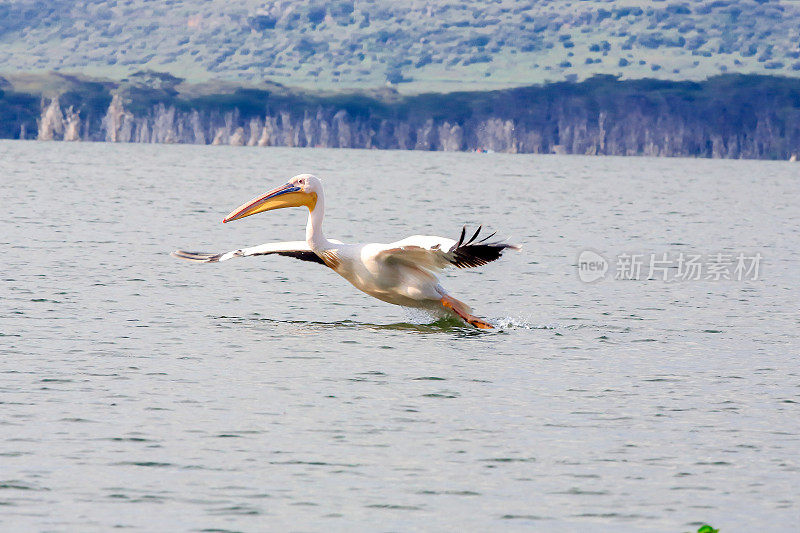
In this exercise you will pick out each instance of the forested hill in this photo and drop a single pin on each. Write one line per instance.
(419, 45)
(729, 116)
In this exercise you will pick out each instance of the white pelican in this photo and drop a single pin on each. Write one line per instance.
(400, 273)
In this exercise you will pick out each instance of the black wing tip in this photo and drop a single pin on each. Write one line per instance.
(475, 235)
(487, 238)
(303, 255)
(197, 257)
(463, 234)
(475, 253)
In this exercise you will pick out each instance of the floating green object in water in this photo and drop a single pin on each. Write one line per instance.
(707, 529)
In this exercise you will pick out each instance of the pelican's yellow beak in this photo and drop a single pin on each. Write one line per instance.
(289, 195)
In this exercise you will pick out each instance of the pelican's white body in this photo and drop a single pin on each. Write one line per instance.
(374, 268)
(371, 269)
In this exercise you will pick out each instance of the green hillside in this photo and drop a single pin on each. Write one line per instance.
(416, 45)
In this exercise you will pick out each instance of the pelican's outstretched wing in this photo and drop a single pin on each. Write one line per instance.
(296, 249)
(436, 253)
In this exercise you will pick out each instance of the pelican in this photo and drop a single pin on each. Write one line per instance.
(400, 273)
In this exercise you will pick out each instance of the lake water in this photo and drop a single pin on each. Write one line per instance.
(142, 392)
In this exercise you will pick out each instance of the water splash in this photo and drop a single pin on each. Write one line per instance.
(512, 323)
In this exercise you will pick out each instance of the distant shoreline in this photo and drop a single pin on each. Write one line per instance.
(726, 116)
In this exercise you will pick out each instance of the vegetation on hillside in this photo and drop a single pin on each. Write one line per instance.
(419, 45)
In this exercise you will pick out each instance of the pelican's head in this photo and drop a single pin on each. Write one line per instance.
(301, 190)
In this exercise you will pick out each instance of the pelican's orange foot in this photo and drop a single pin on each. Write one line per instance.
(462, 310)
(480, 324)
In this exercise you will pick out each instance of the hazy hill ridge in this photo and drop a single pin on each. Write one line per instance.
(731, 116)
(419, 45)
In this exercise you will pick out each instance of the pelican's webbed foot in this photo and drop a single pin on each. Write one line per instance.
(462, 310)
